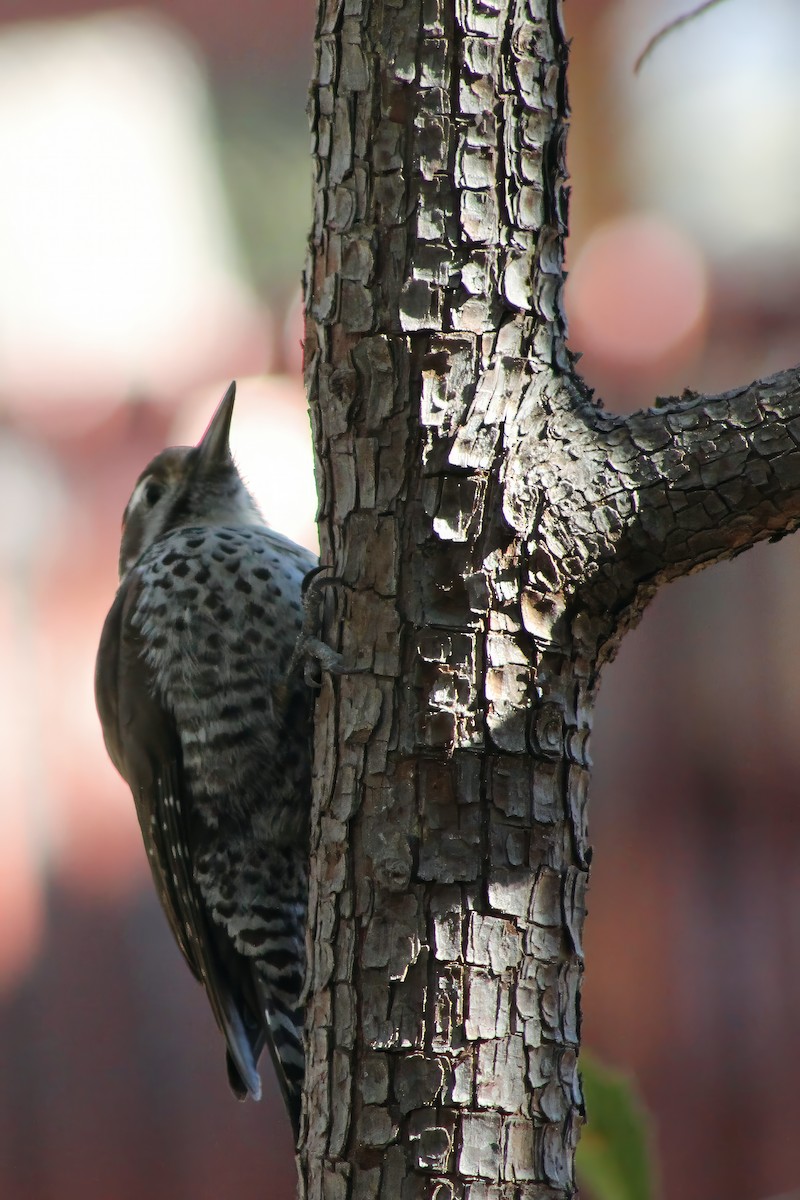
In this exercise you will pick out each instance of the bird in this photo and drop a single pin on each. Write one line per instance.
(209, 724)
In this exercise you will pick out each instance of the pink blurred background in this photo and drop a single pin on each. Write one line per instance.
(155, 205)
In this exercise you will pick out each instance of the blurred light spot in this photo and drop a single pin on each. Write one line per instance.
(637, 291)
(271, 442)
(119, 269)
(31, 489)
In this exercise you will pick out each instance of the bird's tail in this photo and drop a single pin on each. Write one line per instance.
(279, 987)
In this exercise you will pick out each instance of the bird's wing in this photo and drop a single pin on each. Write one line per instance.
(143, 744)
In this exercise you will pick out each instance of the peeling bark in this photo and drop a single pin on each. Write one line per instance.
(496, 533)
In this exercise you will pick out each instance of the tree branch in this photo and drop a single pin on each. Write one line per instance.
(607, 508)
(670, 27)
(694, 482)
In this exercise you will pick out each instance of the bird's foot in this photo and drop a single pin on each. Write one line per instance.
(309, 649)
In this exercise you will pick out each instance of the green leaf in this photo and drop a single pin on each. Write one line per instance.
(614, 1159)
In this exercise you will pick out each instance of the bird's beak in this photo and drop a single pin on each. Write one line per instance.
(213, 447)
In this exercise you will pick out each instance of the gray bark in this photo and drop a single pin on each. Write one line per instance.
(496, 533)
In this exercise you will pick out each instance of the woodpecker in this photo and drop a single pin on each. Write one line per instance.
(210, 728)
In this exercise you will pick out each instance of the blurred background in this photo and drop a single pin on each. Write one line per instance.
(153, 213)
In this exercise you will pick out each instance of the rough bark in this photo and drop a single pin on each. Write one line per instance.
(496, 533)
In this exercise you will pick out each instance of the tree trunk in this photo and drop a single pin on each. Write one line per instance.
(495, 533)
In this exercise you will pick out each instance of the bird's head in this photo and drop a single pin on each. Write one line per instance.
(187, 485)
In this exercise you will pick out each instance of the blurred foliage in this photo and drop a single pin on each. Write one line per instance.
(264, 146)
(614, 1159)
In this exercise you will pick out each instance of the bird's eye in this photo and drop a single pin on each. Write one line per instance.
(153, 493)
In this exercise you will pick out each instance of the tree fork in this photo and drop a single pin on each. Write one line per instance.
(496, 533)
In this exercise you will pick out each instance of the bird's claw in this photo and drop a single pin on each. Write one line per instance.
(309, 648)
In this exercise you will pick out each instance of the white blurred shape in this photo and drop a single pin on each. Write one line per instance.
(713, 116)
(32, 490)
(35, 505)
(271, 442)
(117, 263)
